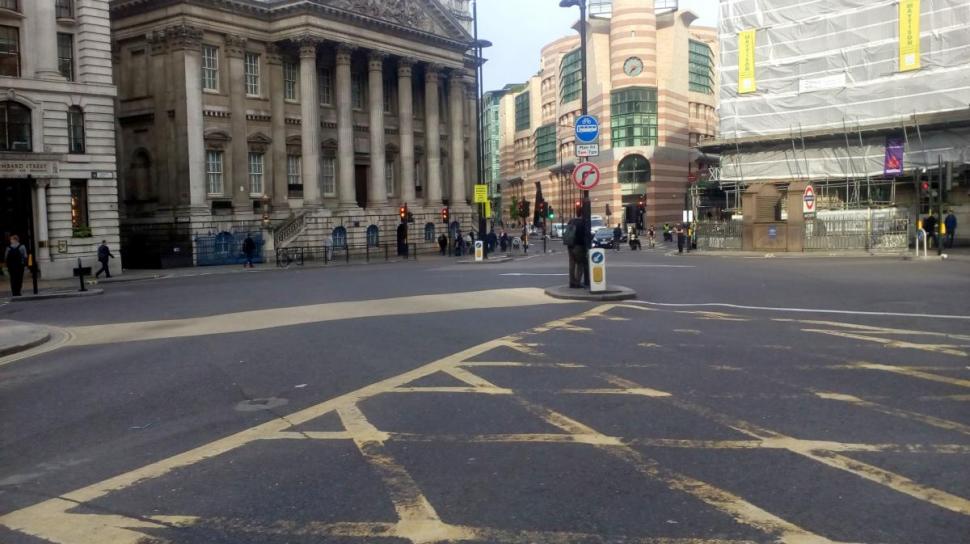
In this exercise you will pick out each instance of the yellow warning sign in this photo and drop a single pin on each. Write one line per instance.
(908, 35)
(481, 193)
(488, 209)
(746, 43)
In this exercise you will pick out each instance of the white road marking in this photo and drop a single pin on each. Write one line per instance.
(800, 310)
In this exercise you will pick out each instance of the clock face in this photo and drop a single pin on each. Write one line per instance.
(633, 66)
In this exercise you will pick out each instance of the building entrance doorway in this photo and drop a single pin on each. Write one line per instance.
(16, 209)
(361, 173)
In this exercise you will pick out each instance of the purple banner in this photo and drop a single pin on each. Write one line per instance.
(893, 165)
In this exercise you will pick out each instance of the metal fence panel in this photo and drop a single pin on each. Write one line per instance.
(718, 234)
(860, 234)
(226, 248)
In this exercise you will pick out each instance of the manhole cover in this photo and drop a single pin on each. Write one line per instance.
(267, 403)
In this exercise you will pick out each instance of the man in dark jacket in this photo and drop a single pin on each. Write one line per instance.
(929, 225)
(104, 253)
(249, 249)
(15, 257)
(950, 222)
(617, 236)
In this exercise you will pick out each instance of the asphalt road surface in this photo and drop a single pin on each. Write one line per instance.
(737, 400)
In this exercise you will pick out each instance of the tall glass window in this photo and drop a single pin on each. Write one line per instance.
(9, 51)
(210, 67)
(545, 146)
(571, 77)
(522, 111)
(294, 176)
(255, 173)
(290, 80)
(12, 5)
(75, 129)
(328, 176)
(633, 116)
(701, 68)
(64, 9)
(213, 172)
(326, 86)
(389, 177)
(634, 169)
(79, 204)
(252, 74)
(15, 134)
(65, 55)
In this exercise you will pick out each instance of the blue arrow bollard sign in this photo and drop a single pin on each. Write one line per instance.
(587, 129)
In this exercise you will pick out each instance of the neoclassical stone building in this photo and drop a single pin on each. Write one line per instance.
(291, 117)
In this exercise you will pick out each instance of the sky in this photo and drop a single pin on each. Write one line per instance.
(518, 29)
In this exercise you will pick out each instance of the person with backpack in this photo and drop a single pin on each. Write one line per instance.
(573, 237)
(15, 257)
(104, 254)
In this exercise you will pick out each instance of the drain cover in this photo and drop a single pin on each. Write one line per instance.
(267, 403)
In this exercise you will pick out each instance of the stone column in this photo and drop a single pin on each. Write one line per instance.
(276, 180)
(376, 189)
(186, 43)
(456, 137)
(471, 119)
(40, 196)
(161, 79)
(346, 190)
(405, 115)
(45, 44)
(310, 128)
(238, 178)
(432, 137)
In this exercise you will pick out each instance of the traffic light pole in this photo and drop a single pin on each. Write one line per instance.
(587, 208)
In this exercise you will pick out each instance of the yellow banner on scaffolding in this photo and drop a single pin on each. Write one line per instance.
(908, 35)
(746, 81)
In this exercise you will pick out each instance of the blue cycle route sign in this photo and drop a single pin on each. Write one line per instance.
(587, 129)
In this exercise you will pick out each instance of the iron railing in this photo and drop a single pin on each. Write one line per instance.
(860, 234)
(718, 235)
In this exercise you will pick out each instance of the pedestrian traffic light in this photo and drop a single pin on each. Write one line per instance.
(444, 215)
(402, 212)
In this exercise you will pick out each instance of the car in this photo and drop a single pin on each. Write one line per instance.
(603, 238)
(558, 229)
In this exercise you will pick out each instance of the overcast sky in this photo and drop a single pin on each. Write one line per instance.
(520, 28)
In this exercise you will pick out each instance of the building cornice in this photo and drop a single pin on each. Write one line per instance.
(379, 14)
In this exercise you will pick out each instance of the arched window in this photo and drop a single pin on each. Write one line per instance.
(15, 126)
(429, 232)
(634, 169)
(373, 236)
(339, 237)
(75, 130)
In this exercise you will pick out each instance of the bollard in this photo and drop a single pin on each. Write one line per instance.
(544, 244)
(347, 254)
(80, 274)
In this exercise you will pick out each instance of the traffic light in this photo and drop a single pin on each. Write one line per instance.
(641, 213)
(402, 212)
(541, 209)
(444, 215)
(578, 208)
(550, 213)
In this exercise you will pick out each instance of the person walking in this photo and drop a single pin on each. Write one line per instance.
(652, 236)
(929, 225)
(15, 257)
(249, 249)
(104, 254)
(503, 241)
(617, 237)
(681, 238)
(443, 244)
(950, 222)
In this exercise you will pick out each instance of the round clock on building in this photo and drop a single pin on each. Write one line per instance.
(633, 66)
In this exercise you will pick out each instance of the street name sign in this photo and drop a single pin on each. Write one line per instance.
(586, 175)
(587, 129)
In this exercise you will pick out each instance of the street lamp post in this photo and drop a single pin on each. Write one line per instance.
(480, 141)
(581, 4)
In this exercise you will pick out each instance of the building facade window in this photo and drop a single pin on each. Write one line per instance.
(12, 5)
(9, 51)
(75, 130)
(256, 160)
(15, 134)
(294, 176)
(418, 174)
(326, 86)
(545, 146)
(634, 169)
(210, 68)
(252, 74)
(571, 77)
(79, 208)
(290, 80)
(339, 237)
(522, 111)
(389, 177)
(65, 55)
(633, 116)
(64, 9)
(213, 172)
(388, 97)
(373, 236)
(328, 176)
(701, 68)
(358, 90)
